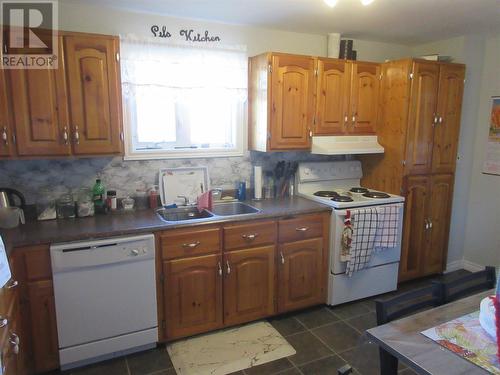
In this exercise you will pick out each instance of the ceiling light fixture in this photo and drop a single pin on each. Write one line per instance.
(330, 3)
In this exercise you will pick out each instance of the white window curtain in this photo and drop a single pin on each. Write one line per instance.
(183, 100)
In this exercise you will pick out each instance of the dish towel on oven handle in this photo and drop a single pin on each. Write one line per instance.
(346, 238)
(364, 230)
(388, 227)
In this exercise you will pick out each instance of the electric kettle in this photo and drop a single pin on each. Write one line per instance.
(11, 198)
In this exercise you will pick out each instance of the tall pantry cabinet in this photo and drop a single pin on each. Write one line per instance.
(421, 103)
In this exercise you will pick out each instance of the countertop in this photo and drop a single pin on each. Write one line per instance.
(141, 221)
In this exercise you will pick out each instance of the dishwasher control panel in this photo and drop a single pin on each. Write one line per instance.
(71, 255)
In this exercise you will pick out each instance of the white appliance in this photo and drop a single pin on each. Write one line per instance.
(345, 145)
(105, 294)
(337, 184)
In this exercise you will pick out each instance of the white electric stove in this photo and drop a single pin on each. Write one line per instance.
(337, 184)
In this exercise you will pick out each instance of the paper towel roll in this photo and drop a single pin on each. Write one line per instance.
(257, 181)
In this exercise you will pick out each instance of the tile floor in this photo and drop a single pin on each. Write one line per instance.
(325, 338)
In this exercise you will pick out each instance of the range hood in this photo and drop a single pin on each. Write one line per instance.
(346, 144)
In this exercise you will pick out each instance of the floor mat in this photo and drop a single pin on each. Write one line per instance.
(229, 350)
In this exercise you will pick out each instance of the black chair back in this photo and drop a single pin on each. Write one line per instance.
(406, 303)
(463, 286)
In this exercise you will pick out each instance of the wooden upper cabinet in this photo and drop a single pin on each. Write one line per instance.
(415, 238)
(364, 102)
(193, 295)
(292, 103)
(422, 117)
(333, 90)
(447, 128)
(95, 94)
(249, 284)
(6, 146)
(300, 278)
(439, 223)
(39, 102)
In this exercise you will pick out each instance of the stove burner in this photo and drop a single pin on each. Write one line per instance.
(342, 198)
(376, 194)
(358, 190)
(326, 193)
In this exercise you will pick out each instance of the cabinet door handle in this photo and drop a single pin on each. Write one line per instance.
(77, 136)
(354, 119)
(3, 322)
(426, 224)
(228, 268)
(65, 135)
(5, 137)
(250, 237)
(440, 120)
(219, 267)
(191, 245)
(430, 223)
(282, 257)
(346, 118)
(302, 229)
(12, 284)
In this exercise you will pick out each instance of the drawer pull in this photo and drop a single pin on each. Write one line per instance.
(282, 257)
(191, 245)
(3, 322)
(250, 237)
(302, 229)
(228, 268)
(12, 284)
(220, 268)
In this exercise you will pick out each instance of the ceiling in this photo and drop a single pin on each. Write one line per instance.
(399, 21)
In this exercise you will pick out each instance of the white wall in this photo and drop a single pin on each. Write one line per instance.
(482, 230)
(88, 18)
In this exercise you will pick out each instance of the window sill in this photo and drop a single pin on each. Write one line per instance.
(202, 154)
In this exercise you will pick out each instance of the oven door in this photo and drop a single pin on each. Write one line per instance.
(383, 256)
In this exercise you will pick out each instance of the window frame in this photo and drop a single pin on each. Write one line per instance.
(239, 149)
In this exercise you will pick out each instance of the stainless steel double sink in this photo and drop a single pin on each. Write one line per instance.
(191, 213)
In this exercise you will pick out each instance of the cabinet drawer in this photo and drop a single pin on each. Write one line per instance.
(300, 228)
(189, 242)
(249, 235)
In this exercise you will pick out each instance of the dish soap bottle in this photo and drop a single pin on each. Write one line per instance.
(98, 192)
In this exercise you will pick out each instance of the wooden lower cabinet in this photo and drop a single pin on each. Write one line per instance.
(43, 325)
(300, 278)
(248, 284)
(426, 225)
(193, 295)
(37, 308)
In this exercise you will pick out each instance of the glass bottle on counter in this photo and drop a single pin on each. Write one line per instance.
(98, 192)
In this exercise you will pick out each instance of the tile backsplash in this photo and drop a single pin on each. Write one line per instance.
(36, 177)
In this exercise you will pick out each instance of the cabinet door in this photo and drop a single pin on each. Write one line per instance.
(439, 221)
(415, 228)
(300, 266)
(39, 101)
(293, 89)
(449, 108)
(193, 295)
(94, 88)
(365, 90)
(332, 97)
(422, 117)
(248, 284)
(6, 146)
(43, 325)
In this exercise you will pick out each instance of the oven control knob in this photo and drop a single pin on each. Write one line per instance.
(134, 253)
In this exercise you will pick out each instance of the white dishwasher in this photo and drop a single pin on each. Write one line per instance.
(105, 293)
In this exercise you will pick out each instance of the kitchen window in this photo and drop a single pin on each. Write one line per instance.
(183, 100)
